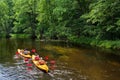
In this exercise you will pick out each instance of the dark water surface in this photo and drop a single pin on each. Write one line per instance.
(72, 63)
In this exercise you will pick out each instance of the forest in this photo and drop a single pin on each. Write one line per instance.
(89, 22)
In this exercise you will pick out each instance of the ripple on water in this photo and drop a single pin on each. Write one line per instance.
(67, 74)
(19, 72)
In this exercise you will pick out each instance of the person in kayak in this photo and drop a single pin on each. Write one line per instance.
(40, 60)
(37, 58)
(26, 51)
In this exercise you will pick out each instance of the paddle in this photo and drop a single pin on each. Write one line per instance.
(46, 58)
(17, 53)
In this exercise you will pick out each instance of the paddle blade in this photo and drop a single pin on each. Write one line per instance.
(29, 65)
(17, 53)
(46, 58)
(52, 62)
(33, 50)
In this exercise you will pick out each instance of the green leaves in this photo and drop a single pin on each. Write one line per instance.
(104, 14)
(61, 19)
(25, 16)
(118, 22)
(4, 18)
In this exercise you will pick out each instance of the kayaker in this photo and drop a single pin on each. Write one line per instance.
(41, 62)
(37, 58)
(26, 52)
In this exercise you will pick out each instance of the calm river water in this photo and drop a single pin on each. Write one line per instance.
(72, 63)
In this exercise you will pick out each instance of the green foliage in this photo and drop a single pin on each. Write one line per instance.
(25, 15)
(105, 14)
(97, 42)
(20, 35)
(103, 11)
(93, 22)
(118, 22)
(4, 18)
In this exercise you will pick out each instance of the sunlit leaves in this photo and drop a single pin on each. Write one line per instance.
(105, 10)
(118, 22)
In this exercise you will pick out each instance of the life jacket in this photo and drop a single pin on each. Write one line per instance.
(37, 58)
(17, 53)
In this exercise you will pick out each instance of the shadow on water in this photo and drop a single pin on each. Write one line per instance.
(72, 63)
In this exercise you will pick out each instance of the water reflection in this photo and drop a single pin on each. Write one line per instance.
(21, 72)
(71, 63)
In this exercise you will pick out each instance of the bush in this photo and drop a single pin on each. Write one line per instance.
(97, 42)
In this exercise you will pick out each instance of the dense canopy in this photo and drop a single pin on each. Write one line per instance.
(60, 19)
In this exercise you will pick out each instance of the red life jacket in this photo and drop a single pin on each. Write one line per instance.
(37, 58)
(17, 53)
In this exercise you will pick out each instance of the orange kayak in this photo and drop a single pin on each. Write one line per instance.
(42, 67)
(20, 51)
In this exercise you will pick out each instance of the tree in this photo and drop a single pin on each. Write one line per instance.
(25, 17)
(5, 27)
(105, 14)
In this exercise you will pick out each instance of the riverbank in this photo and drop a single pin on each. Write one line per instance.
(109, 44)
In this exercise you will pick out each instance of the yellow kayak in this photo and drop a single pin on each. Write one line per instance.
(20, 51)
(42, 67)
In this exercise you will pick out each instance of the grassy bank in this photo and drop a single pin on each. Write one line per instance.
(97, 42)
(20, 35)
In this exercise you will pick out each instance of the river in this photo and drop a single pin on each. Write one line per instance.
(72, 62)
